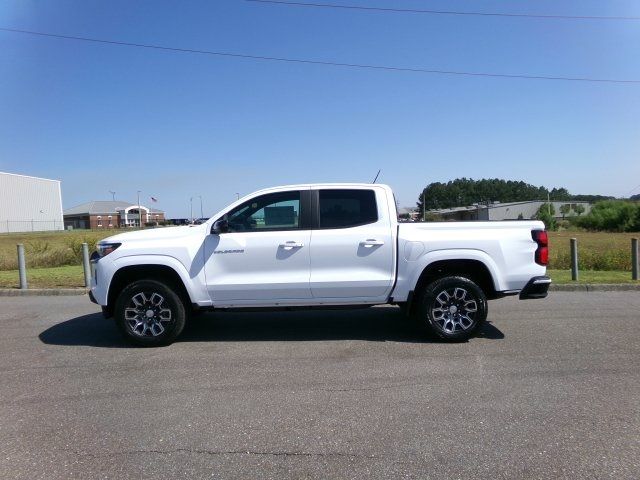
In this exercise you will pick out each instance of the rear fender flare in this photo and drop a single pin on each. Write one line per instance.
(457, 254)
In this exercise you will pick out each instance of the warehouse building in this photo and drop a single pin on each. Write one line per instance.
(29, 204)
(496, 211)
(101, 214)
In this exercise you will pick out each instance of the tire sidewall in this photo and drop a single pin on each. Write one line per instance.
(173, 301)
(429, 298)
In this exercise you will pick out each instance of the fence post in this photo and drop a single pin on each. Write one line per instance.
(574, 259)
(85, 265)
(22, 267)
(634, 259)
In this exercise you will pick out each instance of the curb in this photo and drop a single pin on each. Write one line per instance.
(595, 287)
(41, 292)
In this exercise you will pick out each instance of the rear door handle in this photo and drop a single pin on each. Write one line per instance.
(291, 245)
(371, 242)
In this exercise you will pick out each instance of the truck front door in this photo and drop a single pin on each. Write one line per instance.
(264, 257)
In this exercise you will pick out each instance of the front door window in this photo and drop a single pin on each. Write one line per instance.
(271, 212)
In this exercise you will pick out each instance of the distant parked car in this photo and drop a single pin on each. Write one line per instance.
(178, 221)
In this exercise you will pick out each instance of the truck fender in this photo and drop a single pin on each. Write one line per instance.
(456, 254)
(194, 287)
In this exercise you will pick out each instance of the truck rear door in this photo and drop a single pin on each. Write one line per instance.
(352, 251)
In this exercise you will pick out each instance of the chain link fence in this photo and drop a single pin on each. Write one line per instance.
(20, 226)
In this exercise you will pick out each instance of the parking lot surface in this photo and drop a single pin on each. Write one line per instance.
(550, 389)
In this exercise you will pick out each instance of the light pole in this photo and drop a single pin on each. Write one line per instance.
(237, 196)
(191, 206)
(113, 195)
(201, 212)
(139, 211)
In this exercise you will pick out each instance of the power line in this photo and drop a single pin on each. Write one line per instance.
(441, 12)
(324, 63)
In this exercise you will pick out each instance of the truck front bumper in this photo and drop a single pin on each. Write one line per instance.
(92, 298)
(537, 287)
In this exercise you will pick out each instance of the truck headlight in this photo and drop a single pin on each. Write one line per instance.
(105, 249)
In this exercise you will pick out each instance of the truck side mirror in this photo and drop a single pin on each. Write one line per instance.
(220, 226)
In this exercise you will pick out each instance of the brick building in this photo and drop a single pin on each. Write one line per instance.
(109, 214)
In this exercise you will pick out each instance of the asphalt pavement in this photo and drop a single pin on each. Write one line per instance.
(550, 389)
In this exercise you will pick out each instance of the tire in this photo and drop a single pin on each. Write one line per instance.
(453, 308)
(149, 313)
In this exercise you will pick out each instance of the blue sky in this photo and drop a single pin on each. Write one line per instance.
(101, 117)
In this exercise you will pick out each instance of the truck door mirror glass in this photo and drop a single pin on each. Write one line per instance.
(220, 226)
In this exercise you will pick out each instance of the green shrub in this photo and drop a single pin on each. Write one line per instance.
(432, 217)
(546, 214)
(37, 247)
(612, 216)
(75, 246)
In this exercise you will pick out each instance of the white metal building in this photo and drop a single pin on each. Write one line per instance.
(29, 204)
(509, 211)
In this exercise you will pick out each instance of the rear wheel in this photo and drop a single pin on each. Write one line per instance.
(149, 313)
(453, 308)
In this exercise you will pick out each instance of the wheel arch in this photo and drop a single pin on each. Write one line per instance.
(128, 274)
(472, 268)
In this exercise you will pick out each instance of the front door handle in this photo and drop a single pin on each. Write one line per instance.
(371, 242)
(291, 245)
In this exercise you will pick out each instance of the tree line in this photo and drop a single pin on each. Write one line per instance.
(466, 191)
(607, 213)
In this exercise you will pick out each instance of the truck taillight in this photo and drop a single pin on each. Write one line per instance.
(542, 252)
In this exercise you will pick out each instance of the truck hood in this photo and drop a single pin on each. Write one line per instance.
(157, 233)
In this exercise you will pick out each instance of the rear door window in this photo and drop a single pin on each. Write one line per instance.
(347, 208)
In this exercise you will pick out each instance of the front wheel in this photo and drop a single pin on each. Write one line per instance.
(149, 313)
(453, 308)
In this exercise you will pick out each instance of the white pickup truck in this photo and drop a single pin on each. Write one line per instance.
(311, 246)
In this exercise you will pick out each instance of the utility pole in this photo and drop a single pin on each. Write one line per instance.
(139, 211)
(549, 203)
(424, 203)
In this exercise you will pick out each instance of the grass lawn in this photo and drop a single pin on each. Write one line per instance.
(56, 240)
(592, 240)
(596, 250)
(49, 249)
(591, 276)
(55, 277)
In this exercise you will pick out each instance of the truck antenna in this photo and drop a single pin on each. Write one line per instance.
(374, 180)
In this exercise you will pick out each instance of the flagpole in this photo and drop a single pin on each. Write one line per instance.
(139, 211)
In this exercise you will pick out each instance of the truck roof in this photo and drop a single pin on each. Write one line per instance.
(315, 185)
(302, 186)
